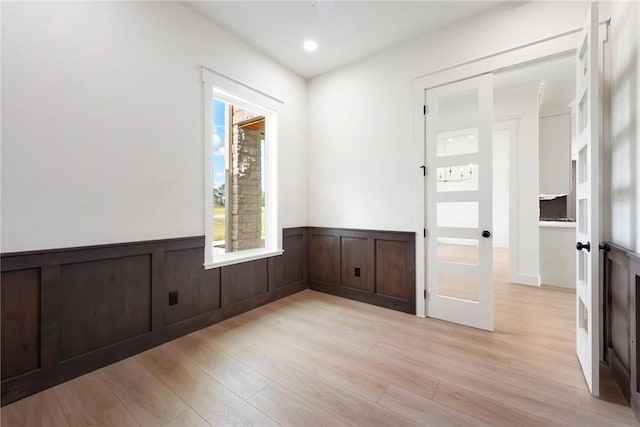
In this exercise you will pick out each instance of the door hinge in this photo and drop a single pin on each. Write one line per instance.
(425, 294)
(424, 232)
(425, 110)
(424, 170)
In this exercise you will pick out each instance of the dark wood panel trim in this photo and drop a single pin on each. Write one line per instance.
(369, 294)
(274, 280)
(634, 392)
(54, 370)
(357, 232)
(20, 387)
(170, 244)
(335, 252)
(620, 373)
(363, 296)
(632, 255)
(31, 259)
(628, 378)
(49, 316)
(157, 289)
(606, 307)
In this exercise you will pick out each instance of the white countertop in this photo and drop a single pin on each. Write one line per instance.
(557, 224)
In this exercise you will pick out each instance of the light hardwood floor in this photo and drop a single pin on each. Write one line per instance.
(315, 359)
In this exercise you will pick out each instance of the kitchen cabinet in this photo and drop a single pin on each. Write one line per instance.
(555, 154)
(558, 253)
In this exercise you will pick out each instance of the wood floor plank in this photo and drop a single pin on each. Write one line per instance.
(476, 373)
(363, 383)
(304, 381)
(215, 403)
(487, 410)
(331, 358)
(521, 397)
(424, 411)
(88, 400)
(188, 418)
(148, 400)
(240, 379)
(41, 409)
(290, 410)
(223, 340)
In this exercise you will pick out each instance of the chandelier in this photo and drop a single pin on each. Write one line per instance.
(455, 174)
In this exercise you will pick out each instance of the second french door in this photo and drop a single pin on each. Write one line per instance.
(459, 255)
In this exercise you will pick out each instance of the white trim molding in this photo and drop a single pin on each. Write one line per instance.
(558, 45)
(227, 89)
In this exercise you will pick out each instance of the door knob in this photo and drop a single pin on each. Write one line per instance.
(580, 246)
(486, 233)
(606, 247)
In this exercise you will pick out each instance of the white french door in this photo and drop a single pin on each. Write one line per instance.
(587, 199)
(458, 202)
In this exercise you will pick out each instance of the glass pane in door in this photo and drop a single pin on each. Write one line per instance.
(458, 103)
(458, 286)
(455, 142)
(463, 251)
(457, 214)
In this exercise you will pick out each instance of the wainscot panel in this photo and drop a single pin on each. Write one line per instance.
(376, 267)
(622, 321)
(291, 267)
(20, 322)
(244, 281)
(324, 256)
(393, 260)
(66, 312)
(103, 302)
(198, 290)
(356, 263)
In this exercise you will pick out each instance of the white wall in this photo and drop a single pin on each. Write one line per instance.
(500, 165)
(625, 151)
(361, 148)
(521, 103)
(102, 122)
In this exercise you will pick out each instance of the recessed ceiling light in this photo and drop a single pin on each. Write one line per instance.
(310, 45)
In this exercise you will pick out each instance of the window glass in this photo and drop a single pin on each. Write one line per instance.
(238, 178)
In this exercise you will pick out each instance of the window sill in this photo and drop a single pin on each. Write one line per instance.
(240, 257)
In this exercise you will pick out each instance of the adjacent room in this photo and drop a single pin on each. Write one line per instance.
(320, 212)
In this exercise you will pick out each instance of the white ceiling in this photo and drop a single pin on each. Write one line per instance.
(345, 30)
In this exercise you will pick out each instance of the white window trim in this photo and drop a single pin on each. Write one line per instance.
(232, 91)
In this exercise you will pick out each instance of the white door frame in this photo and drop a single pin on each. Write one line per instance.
(533, 52)
(511, 126)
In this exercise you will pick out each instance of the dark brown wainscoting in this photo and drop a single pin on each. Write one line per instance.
(69, 311)
(622, 321)
(376, 267)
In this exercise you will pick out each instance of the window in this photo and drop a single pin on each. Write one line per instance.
(240, 146)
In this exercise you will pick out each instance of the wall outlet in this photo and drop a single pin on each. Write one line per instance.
(173, 297)
(357, 271)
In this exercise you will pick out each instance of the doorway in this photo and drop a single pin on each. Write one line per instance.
(539, 98)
